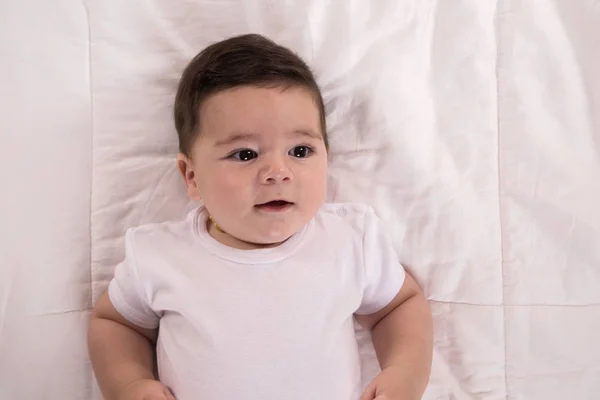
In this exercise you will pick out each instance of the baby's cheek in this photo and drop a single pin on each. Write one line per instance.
(232, 195)
(316, 188)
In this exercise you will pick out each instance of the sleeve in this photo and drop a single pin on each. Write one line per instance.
(128, 293)
(383, 274)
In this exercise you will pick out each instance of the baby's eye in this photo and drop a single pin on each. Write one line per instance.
(244, 155)
(300, 151)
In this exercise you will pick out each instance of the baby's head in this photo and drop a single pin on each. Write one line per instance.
(252, 139)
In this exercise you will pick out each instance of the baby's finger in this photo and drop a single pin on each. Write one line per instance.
(369, 393)
(169, 395)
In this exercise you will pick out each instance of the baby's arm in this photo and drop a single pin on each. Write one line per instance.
(121, 354)
(403, 339)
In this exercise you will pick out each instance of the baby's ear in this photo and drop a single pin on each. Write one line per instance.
(186, 168)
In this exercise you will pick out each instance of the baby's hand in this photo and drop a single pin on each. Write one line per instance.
(391, 384)
(146, 389)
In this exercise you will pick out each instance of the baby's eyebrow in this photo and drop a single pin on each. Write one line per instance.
(308, 133)
(245, 136)
(235, 137)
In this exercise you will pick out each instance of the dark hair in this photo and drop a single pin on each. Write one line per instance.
(246, 60)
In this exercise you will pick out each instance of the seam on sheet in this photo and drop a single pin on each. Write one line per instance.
(496, 25)
(91, 87)
(531, 305)
(91, 379)
(82, 310)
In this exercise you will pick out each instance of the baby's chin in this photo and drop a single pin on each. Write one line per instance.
(272, 238)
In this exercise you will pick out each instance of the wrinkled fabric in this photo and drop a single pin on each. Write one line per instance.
(471, 127)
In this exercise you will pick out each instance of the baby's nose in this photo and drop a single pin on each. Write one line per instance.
(276, 171)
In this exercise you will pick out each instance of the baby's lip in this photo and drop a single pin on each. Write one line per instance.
(275, 203)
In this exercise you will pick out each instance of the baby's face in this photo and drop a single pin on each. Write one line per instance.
(260, 162)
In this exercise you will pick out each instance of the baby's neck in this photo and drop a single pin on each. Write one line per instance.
(228, 240)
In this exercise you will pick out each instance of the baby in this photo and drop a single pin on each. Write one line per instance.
(254, 294)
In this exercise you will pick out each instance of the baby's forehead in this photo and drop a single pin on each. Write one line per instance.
(230, 138)
(260, 109)
(242, 98)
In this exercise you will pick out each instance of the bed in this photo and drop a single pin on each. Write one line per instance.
(472, 127)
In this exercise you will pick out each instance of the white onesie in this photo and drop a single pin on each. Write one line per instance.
(266, 324)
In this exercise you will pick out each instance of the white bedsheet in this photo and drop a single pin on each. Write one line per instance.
(473, 128)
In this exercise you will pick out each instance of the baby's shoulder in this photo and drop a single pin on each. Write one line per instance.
(157, 235)
(346, 215)
(345, 209)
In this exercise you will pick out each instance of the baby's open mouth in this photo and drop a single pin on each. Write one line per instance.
(275, 205)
